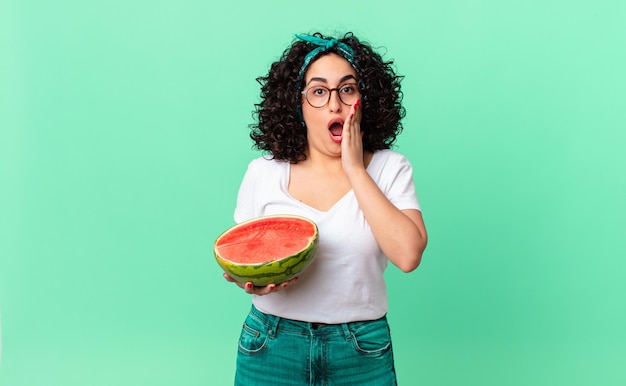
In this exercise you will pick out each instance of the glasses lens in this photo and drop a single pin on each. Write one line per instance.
(319, 96)
(348, 93)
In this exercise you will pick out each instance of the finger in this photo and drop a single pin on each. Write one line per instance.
(353, 128)
(348, 124)
(231, 280)
(354, 113)
(357, 111)
(257, 290)
(274, 287)
(286, 284)
(354, 119)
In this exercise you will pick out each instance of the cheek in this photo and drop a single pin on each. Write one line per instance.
(311, 115)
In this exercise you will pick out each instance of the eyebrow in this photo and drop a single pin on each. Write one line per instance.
(324, 80)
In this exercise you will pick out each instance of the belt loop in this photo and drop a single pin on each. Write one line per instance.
(271, 321)
(346, 330)
(273, 325)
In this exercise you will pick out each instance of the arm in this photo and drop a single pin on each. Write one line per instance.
(401, 234)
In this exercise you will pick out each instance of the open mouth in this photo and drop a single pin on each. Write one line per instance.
(335, 128)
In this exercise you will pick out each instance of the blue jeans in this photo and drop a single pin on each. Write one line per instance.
(275, 351)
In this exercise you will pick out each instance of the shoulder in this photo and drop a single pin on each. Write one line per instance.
(389, 158)
(265, 163)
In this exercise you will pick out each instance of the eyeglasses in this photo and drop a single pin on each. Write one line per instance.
(319, 96)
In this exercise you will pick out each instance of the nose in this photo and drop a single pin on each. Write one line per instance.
(334, 103)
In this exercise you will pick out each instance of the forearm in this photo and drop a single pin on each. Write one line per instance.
(400, 234)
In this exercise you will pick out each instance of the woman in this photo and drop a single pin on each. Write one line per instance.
(330, 111)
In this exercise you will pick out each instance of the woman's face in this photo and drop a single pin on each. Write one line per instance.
(325, 124)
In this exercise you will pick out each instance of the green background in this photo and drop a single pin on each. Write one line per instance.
(124, 136)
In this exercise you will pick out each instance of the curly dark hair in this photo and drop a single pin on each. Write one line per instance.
(279, 130)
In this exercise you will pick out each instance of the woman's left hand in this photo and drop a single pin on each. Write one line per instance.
(256, 290)
(352, 140)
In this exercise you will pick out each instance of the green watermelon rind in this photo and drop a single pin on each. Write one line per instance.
(274, 272)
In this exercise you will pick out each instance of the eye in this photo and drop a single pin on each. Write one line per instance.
(348, 88)
(318, 91)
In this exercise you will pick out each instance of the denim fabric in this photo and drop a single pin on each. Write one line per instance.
(274, 351)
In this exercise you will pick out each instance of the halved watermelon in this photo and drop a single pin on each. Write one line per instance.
(268, 249)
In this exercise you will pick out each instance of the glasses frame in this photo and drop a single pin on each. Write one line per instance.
(330, 94)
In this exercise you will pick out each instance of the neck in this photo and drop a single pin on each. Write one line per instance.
(324, 162)
(330, 164)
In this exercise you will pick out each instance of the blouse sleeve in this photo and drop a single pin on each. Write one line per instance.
(246, 198)
(401, 188)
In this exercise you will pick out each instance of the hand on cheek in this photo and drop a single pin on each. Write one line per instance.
(352, 125)
(351, 143)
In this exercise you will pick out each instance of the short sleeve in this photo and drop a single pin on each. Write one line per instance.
(401, 188)
(246, 199)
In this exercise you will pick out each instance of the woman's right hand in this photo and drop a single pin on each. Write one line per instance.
(254, 290)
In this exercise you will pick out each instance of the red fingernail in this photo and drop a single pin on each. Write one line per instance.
(351, 115)
(248, 285)
(271, 287)
(284, 285)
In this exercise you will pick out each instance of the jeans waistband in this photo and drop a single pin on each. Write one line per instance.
(276, 323)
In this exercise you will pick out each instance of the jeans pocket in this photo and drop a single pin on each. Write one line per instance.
(253, 339)
(371, 338)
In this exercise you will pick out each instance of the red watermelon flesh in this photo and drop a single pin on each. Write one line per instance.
(269, 249)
